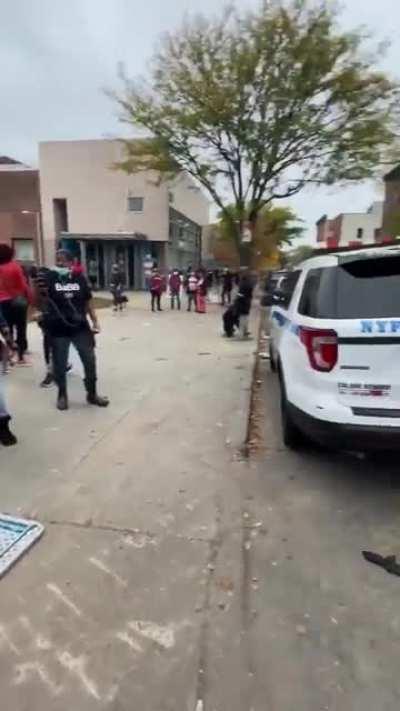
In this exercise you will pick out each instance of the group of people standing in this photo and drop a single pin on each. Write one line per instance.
(66, 316)
(15, 298)
(194, 283)
(62, 298)
(198, 284)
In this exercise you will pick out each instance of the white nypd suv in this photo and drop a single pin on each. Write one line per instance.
(335, 343)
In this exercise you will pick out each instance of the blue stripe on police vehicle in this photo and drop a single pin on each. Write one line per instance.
(280, 319)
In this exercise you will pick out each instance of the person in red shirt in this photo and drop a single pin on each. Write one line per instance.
(77, 268)
(15, 296)
(156, 289)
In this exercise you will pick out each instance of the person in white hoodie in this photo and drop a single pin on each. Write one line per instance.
(191, 289)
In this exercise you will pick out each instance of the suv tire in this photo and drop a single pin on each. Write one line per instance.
(292, 437)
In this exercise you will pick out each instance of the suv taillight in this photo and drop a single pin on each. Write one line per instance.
(322, 347)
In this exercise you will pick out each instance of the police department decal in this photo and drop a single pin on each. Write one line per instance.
(380, 326)
(364, 389)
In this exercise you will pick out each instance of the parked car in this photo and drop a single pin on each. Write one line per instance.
(273, 285)
(335, 344)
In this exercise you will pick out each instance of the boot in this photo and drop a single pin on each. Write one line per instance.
(6, 436)
(62, 399)
(92, 397)
(47, 381)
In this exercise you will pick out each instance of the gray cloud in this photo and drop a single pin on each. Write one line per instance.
(56, 57)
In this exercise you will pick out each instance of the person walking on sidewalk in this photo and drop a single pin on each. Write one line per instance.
(117, 283)
(15, 296)
(175, 283)
(67, 304)
(191, 289)
(227, 284)
(156, 289)
(7, 438)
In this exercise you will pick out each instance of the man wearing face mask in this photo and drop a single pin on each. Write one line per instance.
(67, 305)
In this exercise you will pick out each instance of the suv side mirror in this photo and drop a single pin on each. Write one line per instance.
(280, 297)
(268, 299)
(274, 298)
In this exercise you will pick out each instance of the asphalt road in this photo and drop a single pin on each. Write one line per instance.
(322, 625)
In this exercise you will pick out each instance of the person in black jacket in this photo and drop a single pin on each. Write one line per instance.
(67, 304)
(244, 299)
(227, 284)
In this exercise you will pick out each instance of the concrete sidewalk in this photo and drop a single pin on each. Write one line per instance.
(132, 600)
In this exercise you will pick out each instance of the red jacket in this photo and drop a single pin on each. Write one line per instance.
(156, 284)
(13, 282)
(175, 283)
(77, 269)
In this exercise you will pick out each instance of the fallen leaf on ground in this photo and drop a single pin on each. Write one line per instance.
(301, 630)
(225, 583)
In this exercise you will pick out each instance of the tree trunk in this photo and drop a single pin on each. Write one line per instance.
(246, 249)
(245, 253)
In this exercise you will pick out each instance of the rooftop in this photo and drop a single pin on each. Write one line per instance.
(8, 164)
(377, 205)
(393, 174)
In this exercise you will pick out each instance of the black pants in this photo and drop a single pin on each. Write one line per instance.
(175, 296)
(228, 294)
(84, 343)
(191, 300)
(15, 312)
(47, 349)
(155, 299)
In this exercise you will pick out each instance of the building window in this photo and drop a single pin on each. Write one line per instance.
(377, 234)
(135, 204)
(60, 212)
(24, 250)
(171, 197)
(360, 233)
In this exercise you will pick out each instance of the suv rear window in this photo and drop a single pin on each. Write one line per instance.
(366, 288)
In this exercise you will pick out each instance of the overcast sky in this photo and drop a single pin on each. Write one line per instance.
(56, 56)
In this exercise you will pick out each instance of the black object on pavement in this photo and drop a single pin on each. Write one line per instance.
(388, 563)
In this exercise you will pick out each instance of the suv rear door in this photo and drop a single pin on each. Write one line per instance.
(279, 311)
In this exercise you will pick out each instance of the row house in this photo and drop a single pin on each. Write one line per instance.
(351, 229)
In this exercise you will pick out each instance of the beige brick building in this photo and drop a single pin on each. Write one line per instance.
(104, 215)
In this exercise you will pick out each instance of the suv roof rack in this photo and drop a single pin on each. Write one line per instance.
(353, 248)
